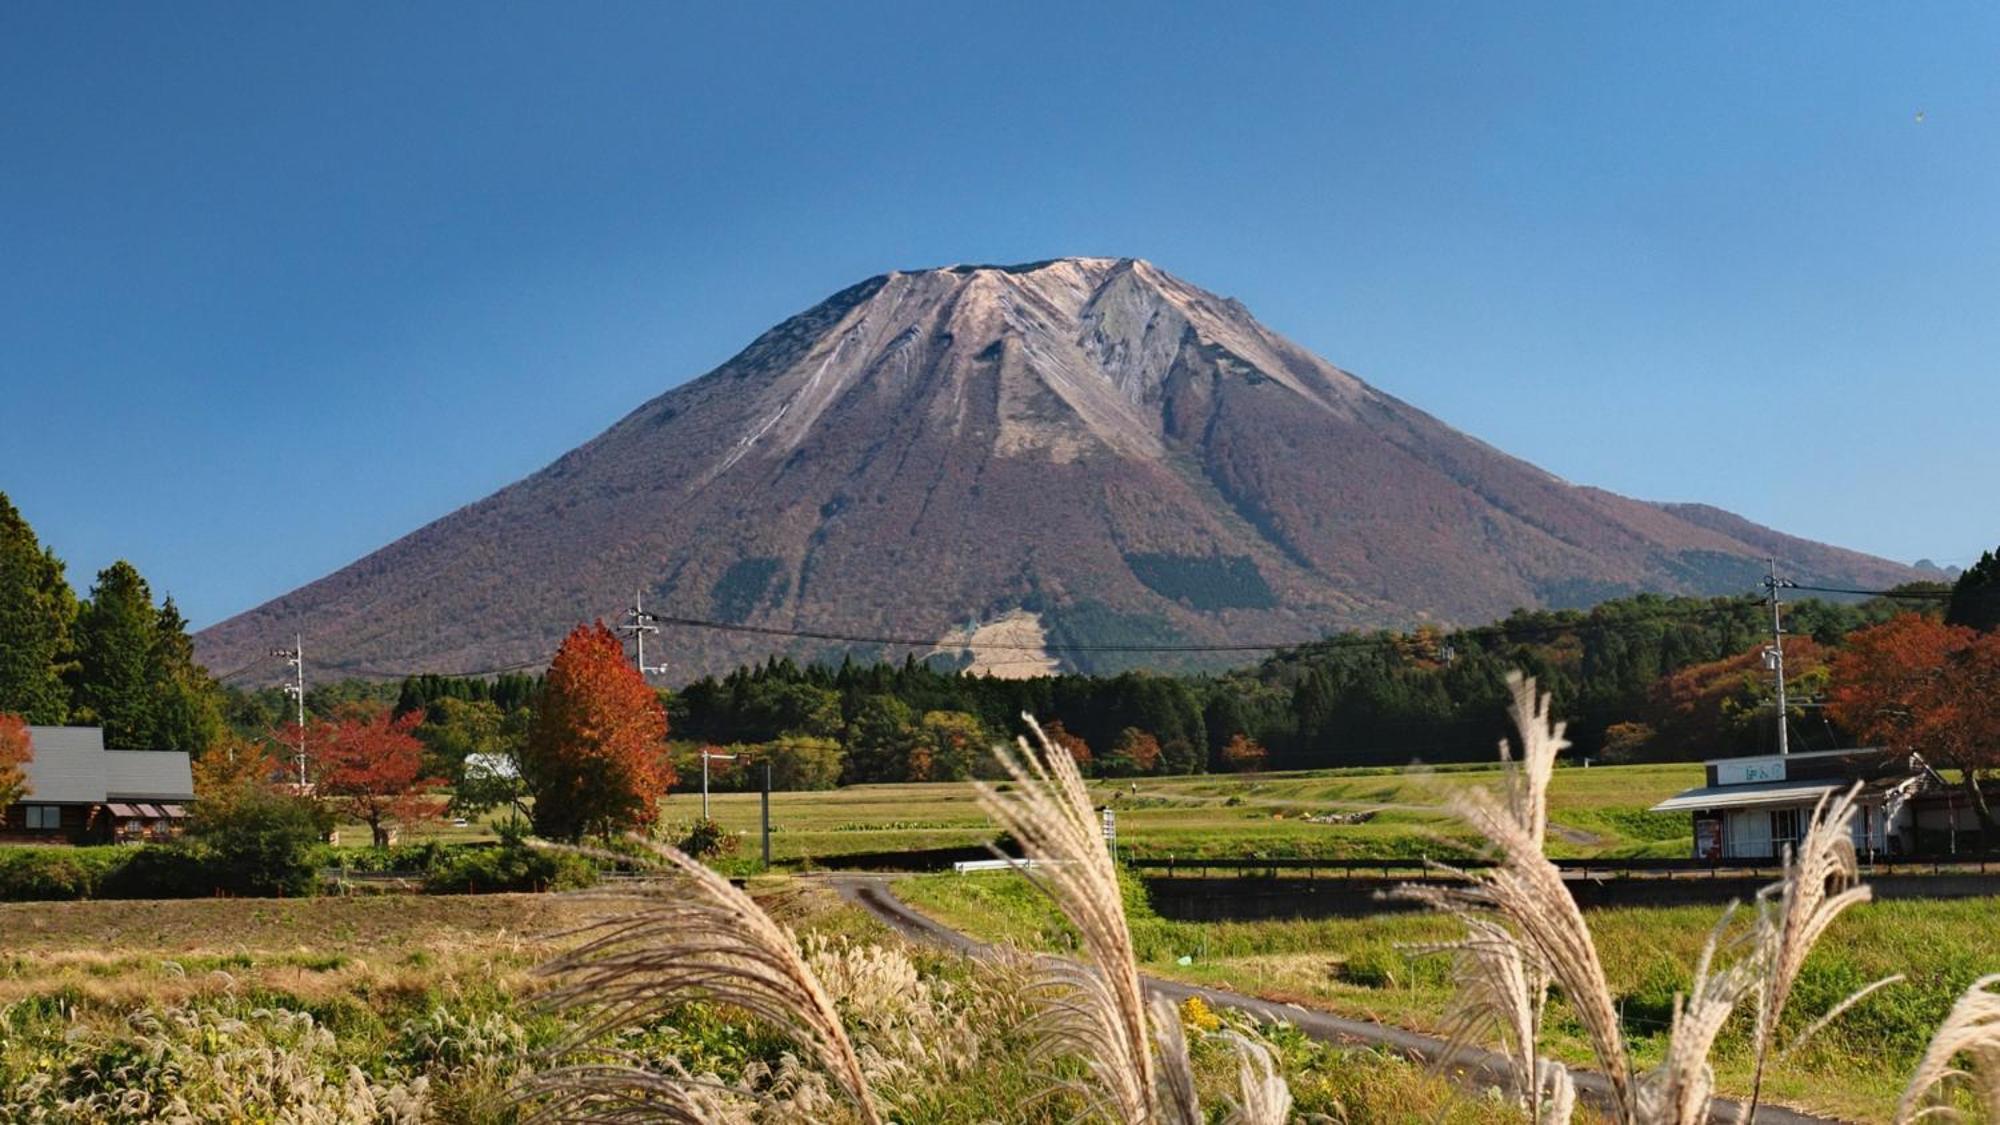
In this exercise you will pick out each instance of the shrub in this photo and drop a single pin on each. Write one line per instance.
(264, 844)
(706, 839)
(34, 874)
(510, 868)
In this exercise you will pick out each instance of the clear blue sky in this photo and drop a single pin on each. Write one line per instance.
(280, 283)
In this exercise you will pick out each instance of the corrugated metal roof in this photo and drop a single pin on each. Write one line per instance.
(71, 766)
(1740, 796)
(160, 774)
(68, 766)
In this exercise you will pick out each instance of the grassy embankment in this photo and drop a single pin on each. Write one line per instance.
(1357, 967)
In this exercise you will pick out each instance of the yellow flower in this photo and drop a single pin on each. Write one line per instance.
(1199, 1016)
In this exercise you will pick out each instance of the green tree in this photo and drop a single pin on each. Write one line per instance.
(187, 702)
(799, 762)
(950, 743)
(1178, 755)
(1975, 598)
(116, 635)
(37, 611)
(260, 843)
(879, 741)
(456, 729)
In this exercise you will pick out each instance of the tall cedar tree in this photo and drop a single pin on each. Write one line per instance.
(15, 752)
(187, 702)
(136, 675)
(1975, 597)
(37, 612)
(371, 769)
(116, 633)
(1917, 685)
(596, 759)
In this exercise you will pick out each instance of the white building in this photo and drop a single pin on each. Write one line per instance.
(1753, 808)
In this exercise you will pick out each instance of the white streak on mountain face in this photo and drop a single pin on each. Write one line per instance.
(1078, 340)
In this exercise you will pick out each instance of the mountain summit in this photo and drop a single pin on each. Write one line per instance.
(1089, 448)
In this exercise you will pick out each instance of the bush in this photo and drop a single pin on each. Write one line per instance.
(174, 871)
(706, 839)
(42, 874)
(510, 868)
(263, 844)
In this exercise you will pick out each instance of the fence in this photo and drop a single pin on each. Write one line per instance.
(1635, 868)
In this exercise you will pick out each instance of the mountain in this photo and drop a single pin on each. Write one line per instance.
(1086, 448)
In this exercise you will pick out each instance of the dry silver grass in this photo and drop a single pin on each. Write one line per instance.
(691, 936)
(1096, 1009)
(1821, 879)
(1527, 893)
(1679, 1090)
(1262, 1097)
(1524, 929)
(1972, 1031)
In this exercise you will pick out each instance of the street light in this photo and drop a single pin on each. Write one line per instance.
(706, 754)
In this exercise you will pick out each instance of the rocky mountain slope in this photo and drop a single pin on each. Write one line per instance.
(1089, 443)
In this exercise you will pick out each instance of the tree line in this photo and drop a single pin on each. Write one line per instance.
(113, 659)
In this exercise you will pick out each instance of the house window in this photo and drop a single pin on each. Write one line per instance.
(44, 817)
(1785, 829)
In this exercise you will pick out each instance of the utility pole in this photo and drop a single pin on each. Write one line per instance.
(707, 754)
(296, 657)
(637, 624)
(767, 813)
(1774, 655)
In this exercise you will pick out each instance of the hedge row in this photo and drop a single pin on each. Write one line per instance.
(191, 870)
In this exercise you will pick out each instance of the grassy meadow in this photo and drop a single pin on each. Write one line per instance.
(1598, 811)
(1368, 968)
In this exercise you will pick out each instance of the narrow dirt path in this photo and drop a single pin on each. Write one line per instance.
(1475, 1067)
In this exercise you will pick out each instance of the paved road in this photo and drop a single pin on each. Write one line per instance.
(1472, 1066)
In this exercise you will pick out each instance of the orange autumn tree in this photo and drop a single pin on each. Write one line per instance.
(233, 772)
(1243, 755)
(1059, 735)
(596, 757)
(1916, 685)
(370, 767)
(15, 752)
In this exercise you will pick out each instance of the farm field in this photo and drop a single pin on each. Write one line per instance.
(1598, 811)
(1365, 967)
(421, 1009)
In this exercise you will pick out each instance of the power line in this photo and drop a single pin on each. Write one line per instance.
(1925, 595)
(1500, 630)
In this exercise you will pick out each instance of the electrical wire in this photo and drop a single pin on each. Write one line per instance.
(1926, 595)
(1499, 631)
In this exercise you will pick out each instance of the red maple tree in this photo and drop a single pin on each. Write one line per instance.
(1914, 684)
(15, 751)
(596, 757)
(370, 768)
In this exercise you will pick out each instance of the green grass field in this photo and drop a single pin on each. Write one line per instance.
(1364, 967)
(1595, 812)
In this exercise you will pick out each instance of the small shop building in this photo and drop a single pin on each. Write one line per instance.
(78, 792)
(1754, 808)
